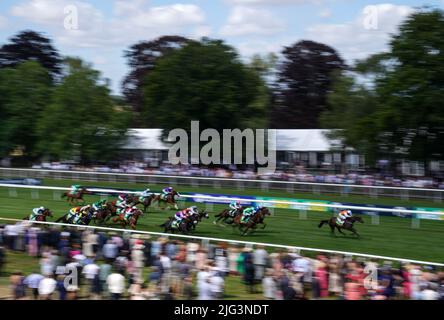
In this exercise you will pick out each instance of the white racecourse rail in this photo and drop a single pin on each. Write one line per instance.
(209, 199)
(248, 243)
(290, 186)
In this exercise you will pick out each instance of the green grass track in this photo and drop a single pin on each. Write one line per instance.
(392, 237)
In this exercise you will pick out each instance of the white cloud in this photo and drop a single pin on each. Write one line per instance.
(51, 13)
(3, 22)
(131, 21)
(251, 21)
(356, 40)
(325, 13)
(272, 2)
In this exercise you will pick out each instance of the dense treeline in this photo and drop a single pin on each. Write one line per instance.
(389, 105)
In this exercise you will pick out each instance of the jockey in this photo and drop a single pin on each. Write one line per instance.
(76, 188)
(167, 191)
(83, 212)
(36, 212)
(73, 213)
(145, 194)
(121, 203)
(234, 206)
(185, 213)
(99, 205)
(129, 211)
(342, 216)
(250, 211)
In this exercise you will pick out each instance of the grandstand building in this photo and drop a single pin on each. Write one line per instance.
(310, 148)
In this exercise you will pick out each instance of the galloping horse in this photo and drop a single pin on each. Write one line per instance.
(41, 217)
(225, 215)
(169, 200)
(186, 225)
(132, 221)
(348, 225)
(257, 218)
(74, 198)
(146, 201)
(104, 214)
(195, 219)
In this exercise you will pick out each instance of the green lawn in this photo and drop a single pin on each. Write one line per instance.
(255, 192)
(392, 237)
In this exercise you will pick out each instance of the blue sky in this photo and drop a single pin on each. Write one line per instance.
(105, 28)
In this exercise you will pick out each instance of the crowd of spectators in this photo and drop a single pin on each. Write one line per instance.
(137, 267)
(297, 174)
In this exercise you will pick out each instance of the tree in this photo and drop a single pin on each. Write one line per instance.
(204, 81)
(24, 93)
(30, 46)
(142, 58)
(82, 122)
(406, 120)
(304, 81)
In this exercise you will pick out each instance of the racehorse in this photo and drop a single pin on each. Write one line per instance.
(146, 201)
(195, 219)
(41, 217)
(169, 201)
(84, 220)
(132, 221)
(74, 198)
(257, 218)
(348, 225)
(104, 214)
(186, 225)
(225, 215)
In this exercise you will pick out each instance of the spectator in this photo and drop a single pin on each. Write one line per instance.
(260, 257)
(90, 271)
(204, 288)
(217, 286)
(17, 285)
(110, 250)
(116, 285)
(269, 286)
(47, 287)
(61, 287)
(33, 281)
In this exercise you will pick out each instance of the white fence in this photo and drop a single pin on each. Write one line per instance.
(436, 195)
(247, 243)
(302, 206)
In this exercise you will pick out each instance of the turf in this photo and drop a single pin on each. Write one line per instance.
(393, 236)
(359, 199)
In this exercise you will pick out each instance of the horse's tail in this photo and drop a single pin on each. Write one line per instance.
(322, 223)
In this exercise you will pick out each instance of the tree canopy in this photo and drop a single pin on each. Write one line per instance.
(82, 122)
(305, 77)
(29, 45)
(204, 81)
(399, 115)
(142, 58)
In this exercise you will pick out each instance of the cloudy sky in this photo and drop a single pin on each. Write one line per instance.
(104, 28)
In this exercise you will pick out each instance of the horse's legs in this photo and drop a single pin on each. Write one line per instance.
(340, 231)
(355, 232)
